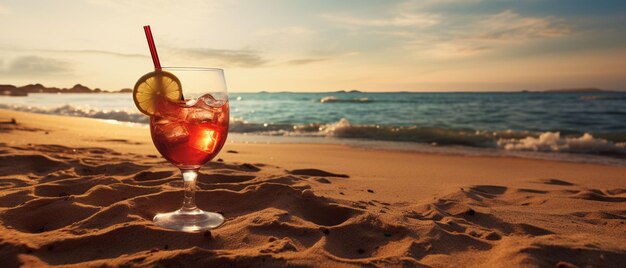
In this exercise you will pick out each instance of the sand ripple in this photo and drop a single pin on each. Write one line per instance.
(93, 207)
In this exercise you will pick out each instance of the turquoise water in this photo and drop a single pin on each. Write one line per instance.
(569, 113)
(582, 123)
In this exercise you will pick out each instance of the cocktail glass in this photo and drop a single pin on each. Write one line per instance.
(188, 133)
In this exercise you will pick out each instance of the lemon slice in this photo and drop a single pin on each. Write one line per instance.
(153, 87)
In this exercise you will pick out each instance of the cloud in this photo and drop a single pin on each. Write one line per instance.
(34, 65)
(446, 49)
(412, 5)
(419, 20)
(80, 51)
(415, 27)
(480, 35)
(90, 51)
(511, 26)
(315, 56)
(305, 61)
(252, 59)
(227, 57)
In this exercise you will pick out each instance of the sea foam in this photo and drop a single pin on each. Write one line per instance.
(553, 142)
(69, 110)
(329, 99)
(508, 140)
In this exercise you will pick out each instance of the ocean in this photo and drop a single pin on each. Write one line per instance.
(568, 126)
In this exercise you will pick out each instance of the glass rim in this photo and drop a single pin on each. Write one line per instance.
(193, 68)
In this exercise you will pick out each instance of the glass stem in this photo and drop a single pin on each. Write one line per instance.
(189, 177)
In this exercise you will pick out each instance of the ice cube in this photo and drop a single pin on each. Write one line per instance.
(205, 140)
(171, 109)
(209, 100)
(160, 121)
(200, 116)
(191, 102)
(174, 132)
(223, 118)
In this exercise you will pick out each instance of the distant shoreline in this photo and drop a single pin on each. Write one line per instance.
(12, 90)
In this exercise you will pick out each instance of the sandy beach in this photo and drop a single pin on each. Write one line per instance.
(82, 192)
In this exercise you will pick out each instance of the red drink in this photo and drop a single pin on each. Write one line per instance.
(189, 134)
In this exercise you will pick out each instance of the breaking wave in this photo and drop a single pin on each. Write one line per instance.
(554, 142)
(613, 144)
(69, 110)
(329, 99)
(508, 140)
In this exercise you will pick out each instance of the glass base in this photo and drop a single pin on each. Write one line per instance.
(194, 220)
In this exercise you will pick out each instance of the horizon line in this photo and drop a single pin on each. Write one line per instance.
(549, 90)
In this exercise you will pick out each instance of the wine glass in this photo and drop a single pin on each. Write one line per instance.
(188, 133)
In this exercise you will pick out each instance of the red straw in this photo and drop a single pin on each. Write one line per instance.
(155, 56)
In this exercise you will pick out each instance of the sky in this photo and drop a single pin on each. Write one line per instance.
(424, 45)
